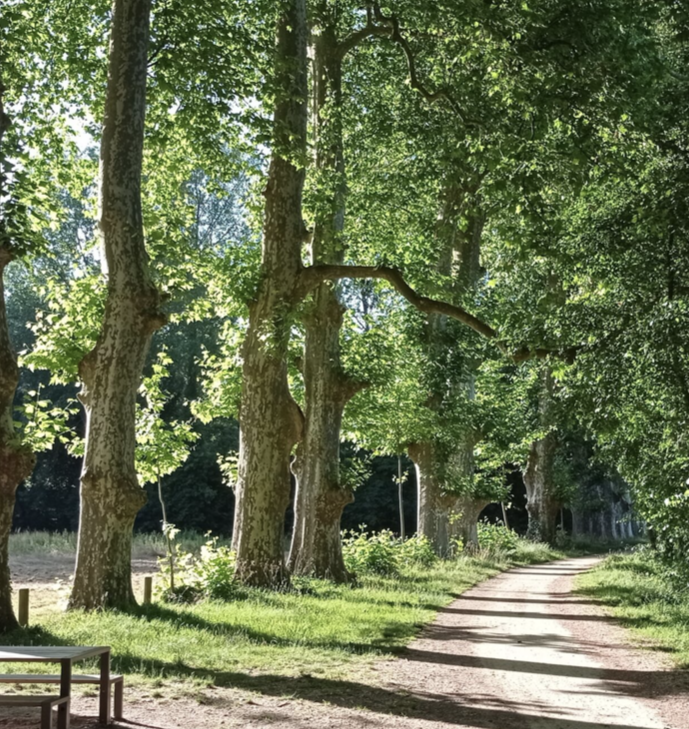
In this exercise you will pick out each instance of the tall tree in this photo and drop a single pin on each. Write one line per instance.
(542, 502)
(447, 505)
(320, 498)
(111, 372)
(271, 423)
(16, 460)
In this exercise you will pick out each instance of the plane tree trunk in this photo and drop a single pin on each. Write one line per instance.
(542, 503)
(443, 514)
(464, 526)
(270, 421)
(433, 521)
(111, 372)
(316, 545)
(16, 460)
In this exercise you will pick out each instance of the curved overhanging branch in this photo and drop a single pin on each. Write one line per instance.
(312, 276)
(432, 97)
(359, 36)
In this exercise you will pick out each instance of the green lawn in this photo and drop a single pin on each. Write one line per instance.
(643, 599)
(316, 630)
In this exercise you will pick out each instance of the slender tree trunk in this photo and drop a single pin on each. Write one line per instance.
(504, 515)
(443, 515)
(111, 372)
(270, 421)
(166, 532)
(16, 461)
(542, 504)
(400, 498)
(316, 545)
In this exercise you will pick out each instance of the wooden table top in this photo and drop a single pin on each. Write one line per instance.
(48, 654)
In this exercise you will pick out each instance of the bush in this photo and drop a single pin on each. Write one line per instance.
(496, 537)
(382, 553)
(416, 551)
(209, 575)
(372, 554)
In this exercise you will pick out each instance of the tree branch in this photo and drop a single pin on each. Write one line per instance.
(313, 276)
(359, 36)
(396, 36)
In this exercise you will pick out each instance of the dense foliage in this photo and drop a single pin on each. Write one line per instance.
(516, 171)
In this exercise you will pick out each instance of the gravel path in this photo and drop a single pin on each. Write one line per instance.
(517, 652)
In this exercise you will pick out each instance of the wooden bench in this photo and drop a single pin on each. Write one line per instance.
(116, 682)
(46, 703)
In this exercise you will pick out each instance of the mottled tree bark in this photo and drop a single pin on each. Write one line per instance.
(270, 421)
(542, 503)
(111, 372)
(316, 545)
(16, 461)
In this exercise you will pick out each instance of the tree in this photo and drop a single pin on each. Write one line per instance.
(111, 372)
(16, 461)
(271, 423)
(320, 498)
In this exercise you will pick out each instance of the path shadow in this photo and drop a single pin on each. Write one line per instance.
(458, 709)
(480, 634)
(519, 614)
(524, 600)
(645, 684)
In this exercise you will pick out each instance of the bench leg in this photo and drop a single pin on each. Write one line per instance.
(119, 699)
(47, 716)
(104, 709)
(63, 709)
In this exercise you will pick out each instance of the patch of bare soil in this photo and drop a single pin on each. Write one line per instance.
(517, 652)
(48, 574)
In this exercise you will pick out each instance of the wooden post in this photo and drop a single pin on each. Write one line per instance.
(24, 607)
(148, 590)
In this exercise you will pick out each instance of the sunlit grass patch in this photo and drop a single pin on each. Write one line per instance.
(643, 599)
(317, 629)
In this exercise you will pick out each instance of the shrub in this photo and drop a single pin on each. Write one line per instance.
(383, 553)
(209, 575)
(416, 551)
(496, 537)
(372, 554)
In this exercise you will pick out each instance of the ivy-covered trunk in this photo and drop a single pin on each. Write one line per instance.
(16, 461)
(270, 421)
(316, 545)
(111, 372)
(542, 503)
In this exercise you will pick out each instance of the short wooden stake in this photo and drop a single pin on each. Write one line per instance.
(24, 607)
(148, 590)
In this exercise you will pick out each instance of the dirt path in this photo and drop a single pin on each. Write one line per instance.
(517, 652)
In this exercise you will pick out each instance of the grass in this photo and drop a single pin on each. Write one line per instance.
(643, 598)
(318, 629)
(65, 543)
